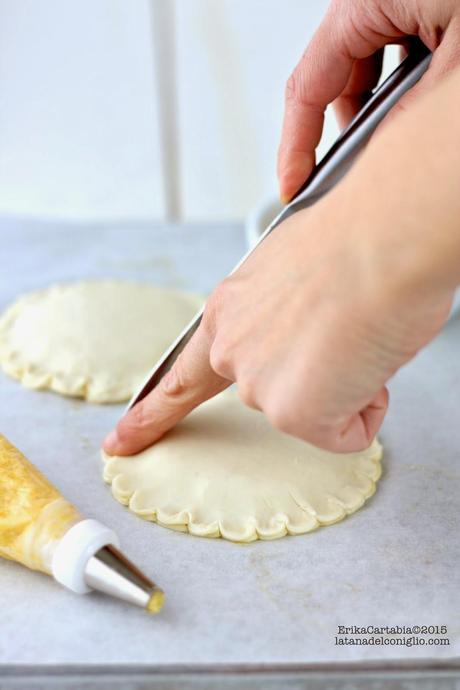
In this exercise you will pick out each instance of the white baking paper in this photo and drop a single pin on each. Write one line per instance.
(395, 562)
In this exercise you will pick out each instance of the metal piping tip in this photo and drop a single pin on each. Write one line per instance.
(111, 572)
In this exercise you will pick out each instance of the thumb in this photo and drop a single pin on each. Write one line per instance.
(189, 382)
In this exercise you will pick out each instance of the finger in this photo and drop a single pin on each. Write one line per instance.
(352, 434)
(190, 382)
(320, 77)
(363, 78)
(361, 429)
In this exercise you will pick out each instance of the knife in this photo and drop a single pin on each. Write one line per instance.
(324, 176)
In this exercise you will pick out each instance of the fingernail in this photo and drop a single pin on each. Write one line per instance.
(111, 441)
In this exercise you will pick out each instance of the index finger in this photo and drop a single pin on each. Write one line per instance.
(339, 54)
(189, 382)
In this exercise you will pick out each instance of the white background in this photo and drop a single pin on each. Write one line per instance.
(149, 109)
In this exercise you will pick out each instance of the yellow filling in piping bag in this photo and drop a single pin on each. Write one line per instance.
(42, 530)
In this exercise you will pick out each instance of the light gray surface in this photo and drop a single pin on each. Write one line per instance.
(370, 676)
(394, 562)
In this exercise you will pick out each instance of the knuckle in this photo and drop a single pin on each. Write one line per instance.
(219, 358)
(220, 294)
(138, 418)
(280, 418)
(297, 86)
(208, 320)
(175, 382)
(213, 308)
(218, 305)
(246, 392)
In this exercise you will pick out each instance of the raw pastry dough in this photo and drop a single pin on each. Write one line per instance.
(94, 339)
(224, 471)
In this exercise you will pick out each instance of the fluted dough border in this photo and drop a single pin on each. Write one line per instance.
(93, 386)
(183, 521)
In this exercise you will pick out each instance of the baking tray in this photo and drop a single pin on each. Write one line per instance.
(265, 608)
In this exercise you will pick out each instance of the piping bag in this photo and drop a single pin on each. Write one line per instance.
(42, 530)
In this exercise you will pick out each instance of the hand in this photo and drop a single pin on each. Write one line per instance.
(336, 299)
(310, 328)
(342, 64)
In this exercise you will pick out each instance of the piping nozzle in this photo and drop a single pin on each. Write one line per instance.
(111, 572)
(87, 558)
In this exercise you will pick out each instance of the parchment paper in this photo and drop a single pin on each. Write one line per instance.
(395, 562)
